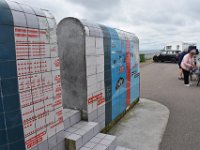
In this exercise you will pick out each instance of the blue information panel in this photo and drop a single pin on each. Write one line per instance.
(124, 71)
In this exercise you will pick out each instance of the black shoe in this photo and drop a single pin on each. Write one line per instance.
(180, 78)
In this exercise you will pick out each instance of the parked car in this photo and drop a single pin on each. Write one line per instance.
(167, 56)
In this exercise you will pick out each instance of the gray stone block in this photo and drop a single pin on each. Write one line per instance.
(102, 125)
(83, 123)
(106, 142)
(87, 127)
(74, 142)
(100, 147)
(110, 137)
(96, 129)
(90, 145)
(95, 120)
(101, 118)
(53, 148)
(85, 148)
(80, 132)
(100, 135)
(52, 142)
(109, 141)
(95, 140)
(60, 136)
(120, 148)
(87, 136)
(67, 134)
(78, 126)
(43, 146)
(66, 110)
(36, 148)
(66, 123)
(92, 124)
(101, 110)
(61, 146)
(102, 142)
(75, 118)
(71, 130)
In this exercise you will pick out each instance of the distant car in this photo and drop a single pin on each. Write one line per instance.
(167, 56)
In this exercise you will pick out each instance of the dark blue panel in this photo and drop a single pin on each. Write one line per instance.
(9, 86)
(15, 134)
(3, 137)
(8, 69)
(4, 147)
(13, 119)
(11, 103)
(5, 14)
(2, 121)
(7, 50)
(6, 34)
(1, 102)
(107, 74)
(108, 110)
(14, 6)
(19, 145)
(3, 4)
(6, 17)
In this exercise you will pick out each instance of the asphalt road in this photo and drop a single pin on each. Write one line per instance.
(159, 82)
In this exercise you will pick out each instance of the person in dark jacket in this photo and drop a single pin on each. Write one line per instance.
(180, 58)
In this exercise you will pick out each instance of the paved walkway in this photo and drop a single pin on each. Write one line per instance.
(143, 127)
(159, 82)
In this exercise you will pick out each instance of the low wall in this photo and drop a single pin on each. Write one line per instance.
(148, 54)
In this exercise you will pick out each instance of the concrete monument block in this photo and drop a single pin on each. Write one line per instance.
(99, 69)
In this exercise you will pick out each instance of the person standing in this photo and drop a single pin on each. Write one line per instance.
(188, 64)
(180, 58)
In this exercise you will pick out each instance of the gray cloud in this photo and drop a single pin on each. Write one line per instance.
(155, 22)
(96, 4)
(97, 10)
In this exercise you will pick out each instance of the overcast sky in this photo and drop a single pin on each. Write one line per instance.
(155, 22)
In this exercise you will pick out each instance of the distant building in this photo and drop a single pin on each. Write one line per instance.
(178, 45)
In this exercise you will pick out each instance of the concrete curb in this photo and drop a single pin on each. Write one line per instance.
(143, 127)
(164, 127)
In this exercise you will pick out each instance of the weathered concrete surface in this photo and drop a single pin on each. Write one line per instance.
(142, 128)
(159, 81)
(71, 45)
